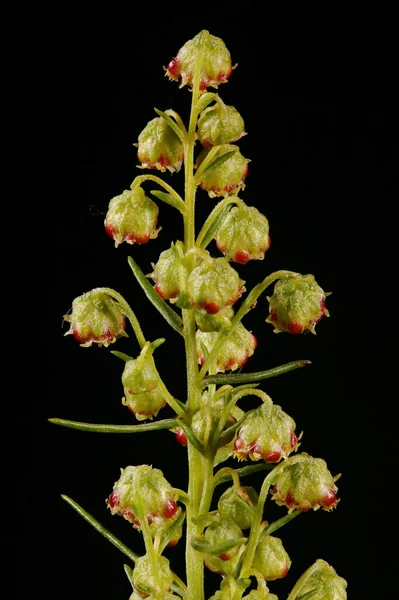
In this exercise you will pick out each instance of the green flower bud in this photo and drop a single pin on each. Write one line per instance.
(234, 353)
(270, 558)
(297, 304)
(216, 322)
(143, 492)
(141, 386)
(166, 273)
(96, 319)
(215, 62)
(304, 483)
(219, 533)
(238, 503)
(219, 124)
(243, 235)
(268, 433)
(214, 284)
(226, 178)
(206, 420)
(147, 582)
(132, 217)
(323, 580)
(159, 147)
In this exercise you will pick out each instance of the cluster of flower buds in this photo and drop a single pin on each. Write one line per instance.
(320, 582)
(304, 483)
(215, 62)
(227, 177)
(141, 386)
(159, 147)
(244, 234)
(219, 124)
(271, 558)
(149, 581)
(233, 354)
(297, 304)
(96, 318)
(267, 433)
(132, 217)
(143, 492)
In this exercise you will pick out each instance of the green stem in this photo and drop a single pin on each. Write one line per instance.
(243, 472)
(179, 203)
(100, 428)
(128, 312)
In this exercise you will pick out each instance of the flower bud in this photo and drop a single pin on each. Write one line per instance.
(216, 322)
(132, 217)
(297, 304)
(166, 274)
(215, 62)
(304, 483)
(219, 533)
(323, 580)
(147, 582)
(226, 178)
(219, 124)
(140, 383)
(214, 284)
(238, 504)
(159, 147)
(143, 490)
(235, 351)
(270, 558)
(96, 319)
(243, 235)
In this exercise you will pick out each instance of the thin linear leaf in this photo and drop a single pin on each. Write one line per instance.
(172, 124)
(257, 376)
(216, 162)
(202, 545)
(100, 428)
(204, 101)
(172, 531)
(281, 522)
(129, 573)
(169, 199)
(121, 355)
(215, 226)
(308, 595)
(166, 311)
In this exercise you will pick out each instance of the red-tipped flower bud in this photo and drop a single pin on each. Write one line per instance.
(215, 62)
(143, 492)
(267, 433)
(271, 558)
(219, 124)
(233, 354)
(141, 386)
(222, 533)
(146, 582)
(304, 483)
(244, 234)
(166, 273)
(226, 178)
(213, 285)
(159, 147)
(238, 503)
(96, 319)
(297, 304)
(323, 581)
(132, 217)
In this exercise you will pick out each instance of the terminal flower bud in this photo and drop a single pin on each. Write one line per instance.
(146, 582)
(238, 503)
(234, 353)
(226, 178)
(270, 558)
(159, 147)
(304, 483)
(214, 284)
(323, 581)
(297, 304)
(243, 235)
(267, 433)
(219, 124)
(215, 62)
(96, 319)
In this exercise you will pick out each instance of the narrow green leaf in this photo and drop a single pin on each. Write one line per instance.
(100, 428)
(191, 437)
(129, 573)
(215, 226)
(169, 199)
(204, 101)
(281, 522)
(258, 376)
(216, 162)
(121, 355)
(202, 545)
(171, 532)
(172, 124)
(166, 311)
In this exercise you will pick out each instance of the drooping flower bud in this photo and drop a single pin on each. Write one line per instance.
(144, 490)
(297, 304)
(323, 581)
(96, 319)
(159, 147)
(219, 124)
(214, 284)
(267, 433)
(132, 217)
(141, 386)
(244, 234)
(271, 558)
(226, 178)
(166, 273)
(224, 532)
(214, 322)
(304, 483)
(215, 62)
(147, 582)
(238, 503)
(235, 351)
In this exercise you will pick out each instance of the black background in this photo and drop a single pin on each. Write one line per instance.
(310, 127)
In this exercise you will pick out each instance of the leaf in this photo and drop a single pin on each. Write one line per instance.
(169, 199)
(100, 428)
(204, 101)
(121, 355)
(214, 164)
(215, 226)
(202, 545)
(232, 378)
(172, 124)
